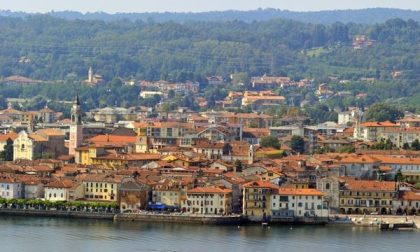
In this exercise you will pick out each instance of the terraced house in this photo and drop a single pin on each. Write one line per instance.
(102, 187)
(366, 196)
(209, 200)
(257, 199)
(292, 203)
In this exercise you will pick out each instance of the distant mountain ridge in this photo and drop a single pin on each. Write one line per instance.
(364, 16)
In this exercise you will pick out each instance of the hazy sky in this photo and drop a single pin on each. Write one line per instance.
(113, 6)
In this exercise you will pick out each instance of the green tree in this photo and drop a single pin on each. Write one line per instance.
(297, 144)
(171, 94)
(270, 141)
(8, 150)
(381, 112)
(399, 177)
(415, 145)
(238, 165)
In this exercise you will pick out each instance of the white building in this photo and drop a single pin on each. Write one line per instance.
(10, 188)
(33, 187)
(408, 203)
(349, 116)
(209, 200)
(291, 203)
(58, 190)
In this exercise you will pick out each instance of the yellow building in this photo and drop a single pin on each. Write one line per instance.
(28, 146)
(366, 196)
(112, 156)
(171, 192)
(102, 187)
(256, 199)
(209, 200)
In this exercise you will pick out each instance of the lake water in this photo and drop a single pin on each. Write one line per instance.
(49, 234)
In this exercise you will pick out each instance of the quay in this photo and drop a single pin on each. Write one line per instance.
(379, 220)
(56, 213)
(181, 218)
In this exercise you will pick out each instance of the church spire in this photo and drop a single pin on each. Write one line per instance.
(77, 101)
(76, 113)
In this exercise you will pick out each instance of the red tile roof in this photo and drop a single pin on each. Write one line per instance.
(369, 185)
(210, 190)
(112, 139)
(260, 184)
(299, 192)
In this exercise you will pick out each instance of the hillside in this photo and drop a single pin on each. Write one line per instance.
(363, 16)
(49, 49)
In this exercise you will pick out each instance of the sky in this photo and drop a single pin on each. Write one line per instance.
(114, 6)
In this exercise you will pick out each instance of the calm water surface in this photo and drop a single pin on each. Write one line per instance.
(45, 234)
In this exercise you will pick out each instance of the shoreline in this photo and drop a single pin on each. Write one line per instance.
(355, 220)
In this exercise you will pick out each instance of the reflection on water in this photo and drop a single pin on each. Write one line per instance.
(45, 234)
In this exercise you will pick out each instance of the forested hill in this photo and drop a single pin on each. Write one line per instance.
(47, 48)
(364, 16)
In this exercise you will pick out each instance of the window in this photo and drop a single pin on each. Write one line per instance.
(327, 186)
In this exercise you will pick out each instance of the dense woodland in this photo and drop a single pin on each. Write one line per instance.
(364, 16)
(59, 52)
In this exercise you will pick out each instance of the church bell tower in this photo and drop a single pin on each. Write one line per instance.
(76, 129)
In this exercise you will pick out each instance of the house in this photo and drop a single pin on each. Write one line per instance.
(165, 133)
(400, 137)
(212, 150)
(270, 82)
(216, 133)
(240, 150)
(366, 196)
(171, 192)
(10, 188)
(358, 165)
(254, 135)
(219, 165)
(262, 99)
(117, 160)
(101, 187)
(285, 131)
(408, 202)
(335, 144)
(256, 199)
(133, 195)
(47, 115)
(113, 114)
(245, 119)
(409, 167)
(58, 190)
(33, 187)
(209, 200)
(291, 204)
(215, 80)
(55, 141)
(349, 116)
(234, 182)
(371, 131)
